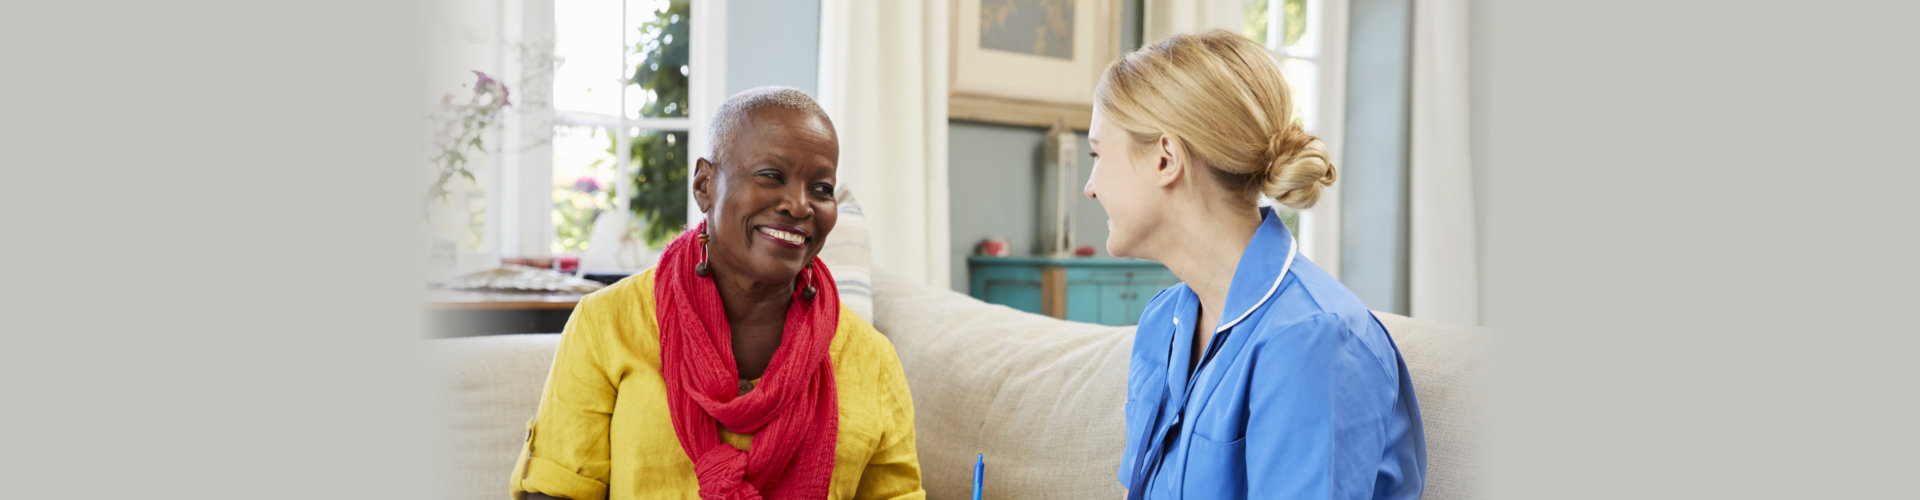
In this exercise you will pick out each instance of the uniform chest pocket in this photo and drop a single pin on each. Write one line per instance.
(1215, 469)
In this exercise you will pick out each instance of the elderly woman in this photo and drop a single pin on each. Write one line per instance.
(730, 369)
(1260, 375)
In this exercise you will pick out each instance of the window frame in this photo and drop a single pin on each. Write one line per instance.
(519, 215)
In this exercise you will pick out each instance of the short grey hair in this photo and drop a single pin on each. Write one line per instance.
(732, 115)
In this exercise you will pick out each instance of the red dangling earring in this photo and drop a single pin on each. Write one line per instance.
(703, 269)
(808, 292)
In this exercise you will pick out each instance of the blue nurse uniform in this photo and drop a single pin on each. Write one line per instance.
(1301, 393)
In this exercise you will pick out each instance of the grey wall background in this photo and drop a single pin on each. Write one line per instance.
(1373, 178)
(773, 42)
(994, 180)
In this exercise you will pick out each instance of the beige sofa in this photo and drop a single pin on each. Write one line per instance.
(1042, 398)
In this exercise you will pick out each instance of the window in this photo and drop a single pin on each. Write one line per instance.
(1282, 25)
(621, 117)
(1309, 38)
(594, 151)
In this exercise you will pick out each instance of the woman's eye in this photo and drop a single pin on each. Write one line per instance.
(825, 189)
(770, 174)
(1095, 156)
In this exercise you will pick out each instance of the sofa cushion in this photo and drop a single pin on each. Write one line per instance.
(488, 388)
(1446, 364)
(1043, 398)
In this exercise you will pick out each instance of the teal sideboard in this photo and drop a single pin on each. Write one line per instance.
(1108, 291)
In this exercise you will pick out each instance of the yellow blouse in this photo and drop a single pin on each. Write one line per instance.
(602, 430)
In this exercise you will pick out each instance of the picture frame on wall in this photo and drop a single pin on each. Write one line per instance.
(1030, 62)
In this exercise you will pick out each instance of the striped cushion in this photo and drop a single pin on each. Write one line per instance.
(849, 256)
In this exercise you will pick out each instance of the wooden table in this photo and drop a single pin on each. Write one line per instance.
(465, 313)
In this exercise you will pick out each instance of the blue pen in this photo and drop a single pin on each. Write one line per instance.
(979, 474)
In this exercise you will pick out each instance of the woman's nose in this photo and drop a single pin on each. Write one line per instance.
(794, 203)
(1088, 189)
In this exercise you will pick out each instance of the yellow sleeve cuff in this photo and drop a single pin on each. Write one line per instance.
(550, 478)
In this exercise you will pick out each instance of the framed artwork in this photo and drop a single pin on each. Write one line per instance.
(1030, 62)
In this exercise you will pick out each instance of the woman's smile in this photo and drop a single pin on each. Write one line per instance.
(783, 235)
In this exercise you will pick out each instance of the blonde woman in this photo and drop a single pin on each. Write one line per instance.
(1258, 375)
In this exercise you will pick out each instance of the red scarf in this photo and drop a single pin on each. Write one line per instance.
(793, 414)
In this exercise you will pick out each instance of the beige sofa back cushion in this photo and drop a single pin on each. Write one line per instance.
(1043, 398)
(488, 388)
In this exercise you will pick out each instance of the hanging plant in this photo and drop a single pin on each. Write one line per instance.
(462, 133)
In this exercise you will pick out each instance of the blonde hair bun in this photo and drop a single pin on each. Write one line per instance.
(1299, 168)
(1224, 97)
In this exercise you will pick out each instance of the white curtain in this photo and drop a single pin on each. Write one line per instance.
(1443, 267)
(883, 78)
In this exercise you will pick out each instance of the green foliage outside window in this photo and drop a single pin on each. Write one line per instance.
(659, 158)
(1254, 24)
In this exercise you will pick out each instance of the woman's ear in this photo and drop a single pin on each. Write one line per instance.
(703, 184)
(1171, 164)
